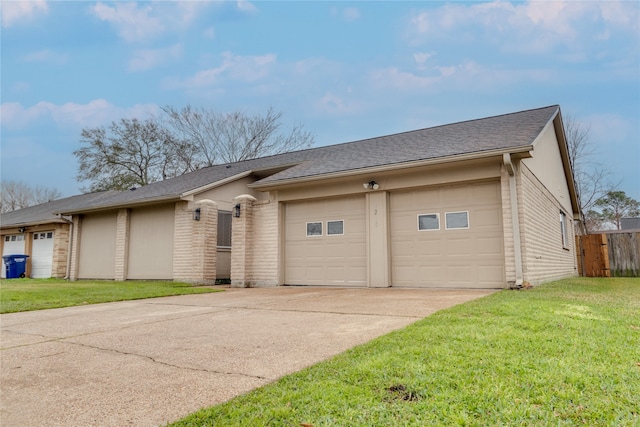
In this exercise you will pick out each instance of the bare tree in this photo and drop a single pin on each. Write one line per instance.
(592, 179)
(131, 153)
(16, 195)
(236, 136)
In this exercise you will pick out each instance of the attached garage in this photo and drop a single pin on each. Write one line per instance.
(13, 245)
(151, 243)
(98, 248)
(42, 254)
(325, 242)
(449, 236)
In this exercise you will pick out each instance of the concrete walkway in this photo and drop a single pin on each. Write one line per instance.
(150, 362)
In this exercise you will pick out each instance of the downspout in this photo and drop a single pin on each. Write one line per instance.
(66, 277)
(515, 222)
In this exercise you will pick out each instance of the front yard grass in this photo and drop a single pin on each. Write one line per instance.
(563, 354)
(38, 294)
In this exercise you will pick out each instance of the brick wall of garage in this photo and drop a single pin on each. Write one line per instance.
(543, 255)
(263, 250)
(60, 251)
(255, 243)
(507, 225)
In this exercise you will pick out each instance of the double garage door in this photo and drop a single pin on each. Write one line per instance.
(439, 237)
(41, 252)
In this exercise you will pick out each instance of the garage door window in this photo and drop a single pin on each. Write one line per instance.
(314, 229)
(43, 236)
(457, 220)
(335, 228)
(13, 238)
(429, 222)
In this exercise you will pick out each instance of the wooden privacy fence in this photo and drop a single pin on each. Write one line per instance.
(609, 255)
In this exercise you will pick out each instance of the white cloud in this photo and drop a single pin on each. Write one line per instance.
(47, 56)
(467, 75)
(421, 58)
(209, 33)
(533, 26)
(246, 6)
(233, 67)
(401, 80)
(351, 14)
(98, 112)
(333, 104)
(146, 59)
(144, 21)
(133, 23)
(15, 11)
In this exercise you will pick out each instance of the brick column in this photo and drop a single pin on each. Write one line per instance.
(204, 243)
(75, 241)
(60, 251)
(122, 244)
(241, 234)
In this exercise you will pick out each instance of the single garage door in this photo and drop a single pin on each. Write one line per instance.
(448, 237)
(325, 242)
(42, 255)
(13, 245)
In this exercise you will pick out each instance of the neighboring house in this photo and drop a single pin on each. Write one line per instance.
(630, 224)
(44, 236)
(486, 203)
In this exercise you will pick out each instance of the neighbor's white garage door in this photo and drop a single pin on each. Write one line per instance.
(448, 237)
(42, 255)
(13, 245)
(325, 242)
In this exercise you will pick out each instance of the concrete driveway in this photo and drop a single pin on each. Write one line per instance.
(150, 362)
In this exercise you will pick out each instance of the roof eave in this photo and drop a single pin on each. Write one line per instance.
(188, 195)
(34, 223)
(131, 204)
(566, 162)
(391, 167)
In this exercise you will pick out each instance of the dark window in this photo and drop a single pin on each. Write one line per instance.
(457, 220)
(314, 229)
(224, 229)
(335, 227)
(429, 222)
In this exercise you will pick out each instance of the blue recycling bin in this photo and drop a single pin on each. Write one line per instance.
(15, 266)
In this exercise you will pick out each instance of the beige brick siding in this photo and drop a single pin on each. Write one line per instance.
(60, 251)
(194, 243)
(240, 243)
(543, 255)
(75, 242)
(264, 244)
(122, 244)
(507, 224)
(204, 238)
(255, 237)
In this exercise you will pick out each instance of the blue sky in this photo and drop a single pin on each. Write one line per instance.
(345, 70)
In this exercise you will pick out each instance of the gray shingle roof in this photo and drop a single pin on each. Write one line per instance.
(45, 212)
(475, 136)
(504, 132)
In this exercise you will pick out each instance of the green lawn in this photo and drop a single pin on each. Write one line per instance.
(37, 294)
(562, 354)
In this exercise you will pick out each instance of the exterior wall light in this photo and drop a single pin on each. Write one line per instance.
(236, 211)
(371, 185)
(196, 214)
